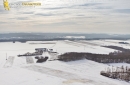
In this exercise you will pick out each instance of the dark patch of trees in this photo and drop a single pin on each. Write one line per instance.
(41, 59)
(123, 43)
(117, 48)
(71, 56)
(115, 57)
(122, 73)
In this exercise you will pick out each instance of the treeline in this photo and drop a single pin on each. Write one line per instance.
(71, 56)
(25, 40)
(122, 73)
(117, 48)
(115, 57)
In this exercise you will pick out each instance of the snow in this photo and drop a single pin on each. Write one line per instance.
(111, 42)
(20, 76)
(17, 71)
(83, 37)
(69, 46)
(119, 64)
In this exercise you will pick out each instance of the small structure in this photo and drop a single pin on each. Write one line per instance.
(38, 51)
(50, 50)
(41, 49)
(32, 54)
(41, 59)
(123, 43)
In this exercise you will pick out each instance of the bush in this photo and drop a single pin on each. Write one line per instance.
(121, 73)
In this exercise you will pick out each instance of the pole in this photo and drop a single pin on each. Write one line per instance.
(6, 56)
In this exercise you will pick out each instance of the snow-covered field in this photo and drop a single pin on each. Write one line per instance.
(25, 70)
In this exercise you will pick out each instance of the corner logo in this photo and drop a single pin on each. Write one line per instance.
(6, 5)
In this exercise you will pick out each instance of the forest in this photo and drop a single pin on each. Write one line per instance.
(113, 57)
(121, 73)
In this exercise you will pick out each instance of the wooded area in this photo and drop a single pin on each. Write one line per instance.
(122, 73)
(114, 57)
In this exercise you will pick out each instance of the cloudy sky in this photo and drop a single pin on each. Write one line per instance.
(77, 16)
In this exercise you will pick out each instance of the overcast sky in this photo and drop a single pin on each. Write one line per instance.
(79, 16)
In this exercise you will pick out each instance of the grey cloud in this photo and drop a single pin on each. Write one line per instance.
(104, 7)
(90, 4)
(58, 8)
(55, 8)
(11, 18)
(91, 17)
(2, 22)
(80, 15)
(84, 16)
(73, 6)
(98, 22)
(2, 10)
(51, 14)
(22, 18)
(64, 23)
(27, 12)
(42, 14)
(127, 11)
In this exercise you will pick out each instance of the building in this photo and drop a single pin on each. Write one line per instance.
(41, 49)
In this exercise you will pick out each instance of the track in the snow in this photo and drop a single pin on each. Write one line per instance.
(58, 73)
(29, 60)
(9, 62)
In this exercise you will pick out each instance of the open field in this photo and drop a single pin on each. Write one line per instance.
(25, 71)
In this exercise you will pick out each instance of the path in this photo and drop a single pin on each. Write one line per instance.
(9, 61)
(58, 73)
(29, 59)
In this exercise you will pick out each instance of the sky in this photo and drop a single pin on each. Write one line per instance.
(68, 16)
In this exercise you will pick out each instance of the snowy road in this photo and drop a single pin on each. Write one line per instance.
(9, 62)
(54, 56)
(29, 60)
(58, 73)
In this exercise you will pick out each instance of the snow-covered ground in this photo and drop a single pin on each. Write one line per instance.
(25, 70)
(111, 42)
(80, 37)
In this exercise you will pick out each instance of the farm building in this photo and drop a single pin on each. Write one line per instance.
(41, 49)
